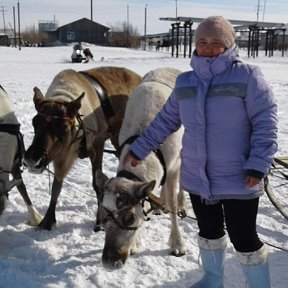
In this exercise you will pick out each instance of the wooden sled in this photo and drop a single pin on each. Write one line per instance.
(276, 181)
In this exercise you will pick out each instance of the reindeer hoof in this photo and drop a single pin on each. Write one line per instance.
(47, 226)
(182, 213)
(177, 253)
(97, 228)
(157, 212)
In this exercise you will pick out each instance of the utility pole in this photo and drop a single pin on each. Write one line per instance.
(18, 6)
(145, 26)
(127, 15)
(4, 25)
(14, 31)
(127, 26)
(91, 10)
(258, 9)
(176, 9)
(264, 8)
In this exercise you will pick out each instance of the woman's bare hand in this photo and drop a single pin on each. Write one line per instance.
(129, 158)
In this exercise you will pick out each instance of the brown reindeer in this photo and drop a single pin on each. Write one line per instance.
(68, 126)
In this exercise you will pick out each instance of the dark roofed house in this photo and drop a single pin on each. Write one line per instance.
(4, 40)
(83, 30)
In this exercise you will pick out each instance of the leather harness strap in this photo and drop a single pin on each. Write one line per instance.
(128, 175)
(130, 140)
(102, 95)
(157, 152)
(10, 128)
(2, 88)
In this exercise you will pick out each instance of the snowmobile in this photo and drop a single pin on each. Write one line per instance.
(77, 56)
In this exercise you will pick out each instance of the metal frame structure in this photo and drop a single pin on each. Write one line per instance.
(181, 25)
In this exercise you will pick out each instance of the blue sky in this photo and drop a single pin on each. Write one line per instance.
(113, 12)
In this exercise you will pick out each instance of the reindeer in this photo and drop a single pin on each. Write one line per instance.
(123, 196)
(11, 151)
(68, 126)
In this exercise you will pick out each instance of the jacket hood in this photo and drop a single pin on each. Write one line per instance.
(207, 67)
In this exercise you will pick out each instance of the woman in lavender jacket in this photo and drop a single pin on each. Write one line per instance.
(230, 120)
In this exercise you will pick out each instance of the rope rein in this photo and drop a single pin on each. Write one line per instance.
(155, 204)
(68, 184)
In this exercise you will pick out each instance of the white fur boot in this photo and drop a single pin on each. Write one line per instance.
(255, 267)
(212, 254)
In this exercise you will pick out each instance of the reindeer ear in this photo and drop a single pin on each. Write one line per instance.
(38, 97)
(74, 106)
(145, 189)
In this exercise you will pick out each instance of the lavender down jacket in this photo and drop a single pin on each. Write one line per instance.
(230, 120)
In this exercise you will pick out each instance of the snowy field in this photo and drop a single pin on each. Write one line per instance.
(71, 255)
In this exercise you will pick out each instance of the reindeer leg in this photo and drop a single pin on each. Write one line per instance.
(176, 242)
(34, 217)
(182, 202)
(96, 158)
(49, 221)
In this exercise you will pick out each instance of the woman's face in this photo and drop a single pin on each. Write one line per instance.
(209, 47)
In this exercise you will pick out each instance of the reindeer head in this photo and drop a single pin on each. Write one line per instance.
(54, 126)
(122, 215)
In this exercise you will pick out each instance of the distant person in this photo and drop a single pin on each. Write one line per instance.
(88, 54)
(230, 120)
(158, 45)
(77, 56)
(78, 47)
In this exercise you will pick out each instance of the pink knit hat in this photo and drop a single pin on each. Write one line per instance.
(217, 28)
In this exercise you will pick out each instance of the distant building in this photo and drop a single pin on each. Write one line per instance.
(83, 30)
(47, 26)
(5, 37)
(4, 40)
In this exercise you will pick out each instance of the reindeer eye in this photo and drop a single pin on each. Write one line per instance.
(129, 218)
(122, 200)
(63, 110)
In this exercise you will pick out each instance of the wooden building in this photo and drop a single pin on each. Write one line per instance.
(4, 40)
(83, 30)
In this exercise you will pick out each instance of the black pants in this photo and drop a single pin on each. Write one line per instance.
(239, 217)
